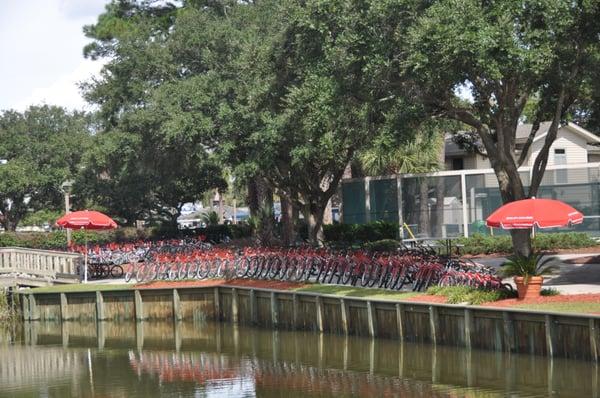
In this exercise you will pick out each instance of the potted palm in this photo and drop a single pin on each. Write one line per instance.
(527, 273)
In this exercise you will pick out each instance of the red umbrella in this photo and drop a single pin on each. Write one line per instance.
(86, 219)
(529, 213)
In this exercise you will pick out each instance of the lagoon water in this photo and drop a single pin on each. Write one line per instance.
(145, 359)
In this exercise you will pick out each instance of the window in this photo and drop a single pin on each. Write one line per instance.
(560, 159)
(457, 164)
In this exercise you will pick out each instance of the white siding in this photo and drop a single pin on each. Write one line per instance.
(574, 145)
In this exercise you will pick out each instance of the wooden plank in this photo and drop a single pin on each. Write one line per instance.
(294, 311)
(372, 321)
(139, 305)
(593, 340)
(64, 313)
(344, 311)
(253, 312)
(400, 317)
(217, 301)
(509, 332)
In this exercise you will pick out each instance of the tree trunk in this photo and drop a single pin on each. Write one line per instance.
(424, 226)
(511, 189)
(288, 235)
(521, 240)
(440, 195)
(314, 218)
(260, 201)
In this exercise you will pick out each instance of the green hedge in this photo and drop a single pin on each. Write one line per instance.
(57, 239)
(485, 244)
(353, 233)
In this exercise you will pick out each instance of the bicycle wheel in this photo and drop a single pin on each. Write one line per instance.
(116, 271)
(129, 274)
(141, 273)
(173, 271)
(191, 269)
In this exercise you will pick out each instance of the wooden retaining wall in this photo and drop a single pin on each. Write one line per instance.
(509, 330)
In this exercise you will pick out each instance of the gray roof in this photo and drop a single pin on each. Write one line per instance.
(523, 130)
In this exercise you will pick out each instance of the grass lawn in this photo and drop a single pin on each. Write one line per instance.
(581, 307)
(349, 291)
(81, 287)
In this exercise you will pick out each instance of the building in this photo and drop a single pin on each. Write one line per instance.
(456, 202)
(573, 145)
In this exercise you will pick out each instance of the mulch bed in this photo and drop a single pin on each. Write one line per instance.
(563, 298)
(427, 298)
(260, 284)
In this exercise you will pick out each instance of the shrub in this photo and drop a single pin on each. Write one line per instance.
(351, 233)
(549, 291)
(485, 244)
(469, 295)
(384, 245)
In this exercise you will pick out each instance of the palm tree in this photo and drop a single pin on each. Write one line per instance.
(423, 154)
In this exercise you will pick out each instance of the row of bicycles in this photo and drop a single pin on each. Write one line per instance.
(406, 268)
(108, 260)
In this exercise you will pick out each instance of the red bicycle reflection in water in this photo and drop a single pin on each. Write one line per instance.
(221, 370)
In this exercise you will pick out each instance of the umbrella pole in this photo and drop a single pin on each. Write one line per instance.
(85, 271)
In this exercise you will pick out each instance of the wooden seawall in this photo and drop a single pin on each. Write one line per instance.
(509, 330)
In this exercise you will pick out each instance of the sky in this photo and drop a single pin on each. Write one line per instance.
(41, 52)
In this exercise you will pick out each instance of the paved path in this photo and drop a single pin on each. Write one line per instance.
(569, 278)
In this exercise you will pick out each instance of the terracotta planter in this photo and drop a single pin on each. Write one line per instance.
(531, 289)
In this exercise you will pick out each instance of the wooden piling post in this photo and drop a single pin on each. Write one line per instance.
(33, 310)
(64, 313)
(550, 334)
(253, 313)
(400, 319)
(274, 310)
(25, 307)
(100, 306)
(593, 340)
(468, 327)
(139, 305)
(234, 306)
(344, 311)
(319, 307)
(372, 320)
(177, 315)
(433, 323)
(217, 302)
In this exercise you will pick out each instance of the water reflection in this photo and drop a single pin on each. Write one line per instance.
(204, 359)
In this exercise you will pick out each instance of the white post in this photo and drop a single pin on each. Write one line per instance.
(85, 261)
(400, 218)
(367, 201)
(67, 211)
(463, 188)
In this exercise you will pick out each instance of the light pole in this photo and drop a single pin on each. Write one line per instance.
(232, 180)
(66, 188)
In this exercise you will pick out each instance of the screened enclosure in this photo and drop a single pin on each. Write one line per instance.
(456, 203)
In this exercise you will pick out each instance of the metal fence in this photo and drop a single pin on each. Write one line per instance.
(456, 203)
